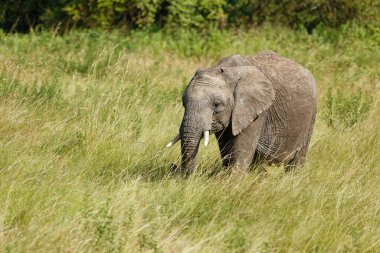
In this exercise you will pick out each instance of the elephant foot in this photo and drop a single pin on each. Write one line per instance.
(239, 170)
(260, 169)
(178, 171)
(173, 169)
(291, 169)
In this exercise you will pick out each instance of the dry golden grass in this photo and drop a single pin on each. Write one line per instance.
(84, 120)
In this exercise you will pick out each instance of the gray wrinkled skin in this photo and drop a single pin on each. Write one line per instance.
(261, 108)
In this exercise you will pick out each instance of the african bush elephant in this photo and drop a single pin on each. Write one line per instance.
(260, 108)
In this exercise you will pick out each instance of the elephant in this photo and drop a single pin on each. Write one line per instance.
(261, 108)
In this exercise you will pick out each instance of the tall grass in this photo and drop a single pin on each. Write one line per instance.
(85, 117)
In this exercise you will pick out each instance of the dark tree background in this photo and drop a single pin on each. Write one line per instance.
(24, 15)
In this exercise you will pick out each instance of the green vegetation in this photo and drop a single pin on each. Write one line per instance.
(346, 110)
(85, 118)
(17, 15)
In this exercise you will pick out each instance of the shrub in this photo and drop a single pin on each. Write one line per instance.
(345, 109)
(17, 15)
(200, 14)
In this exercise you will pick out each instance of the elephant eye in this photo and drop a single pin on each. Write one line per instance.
(219, 107)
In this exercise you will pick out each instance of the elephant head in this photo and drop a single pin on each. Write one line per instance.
(217, 97)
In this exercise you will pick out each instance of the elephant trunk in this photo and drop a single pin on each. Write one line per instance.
(195, 123)
(190, 139)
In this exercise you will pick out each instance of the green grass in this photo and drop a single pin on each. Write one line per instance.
(84, 119)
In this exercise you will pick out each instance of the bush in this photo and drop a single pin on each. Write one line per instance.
(17, 15)
(345, 109)
(201, 14)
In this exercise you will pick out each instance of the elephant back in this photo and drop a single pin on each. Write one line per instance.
(284, 73)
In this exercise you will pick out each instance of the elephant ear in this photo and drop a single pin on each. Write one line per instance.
(253, 94)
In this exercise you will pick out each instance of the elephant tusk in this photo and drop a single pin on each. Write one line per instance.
(177, 138)
(207, 137)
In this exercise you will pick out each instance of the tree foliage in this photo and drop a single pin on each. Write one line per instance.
(17, 15)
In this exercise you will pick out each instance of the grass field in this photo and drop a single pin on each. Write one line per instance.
(84, 119)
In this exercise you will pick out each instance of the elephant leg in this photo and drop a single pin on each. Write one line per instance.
(296, 160)
(299, 157)
(245, 143)
(225, 142)
(258, 159)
